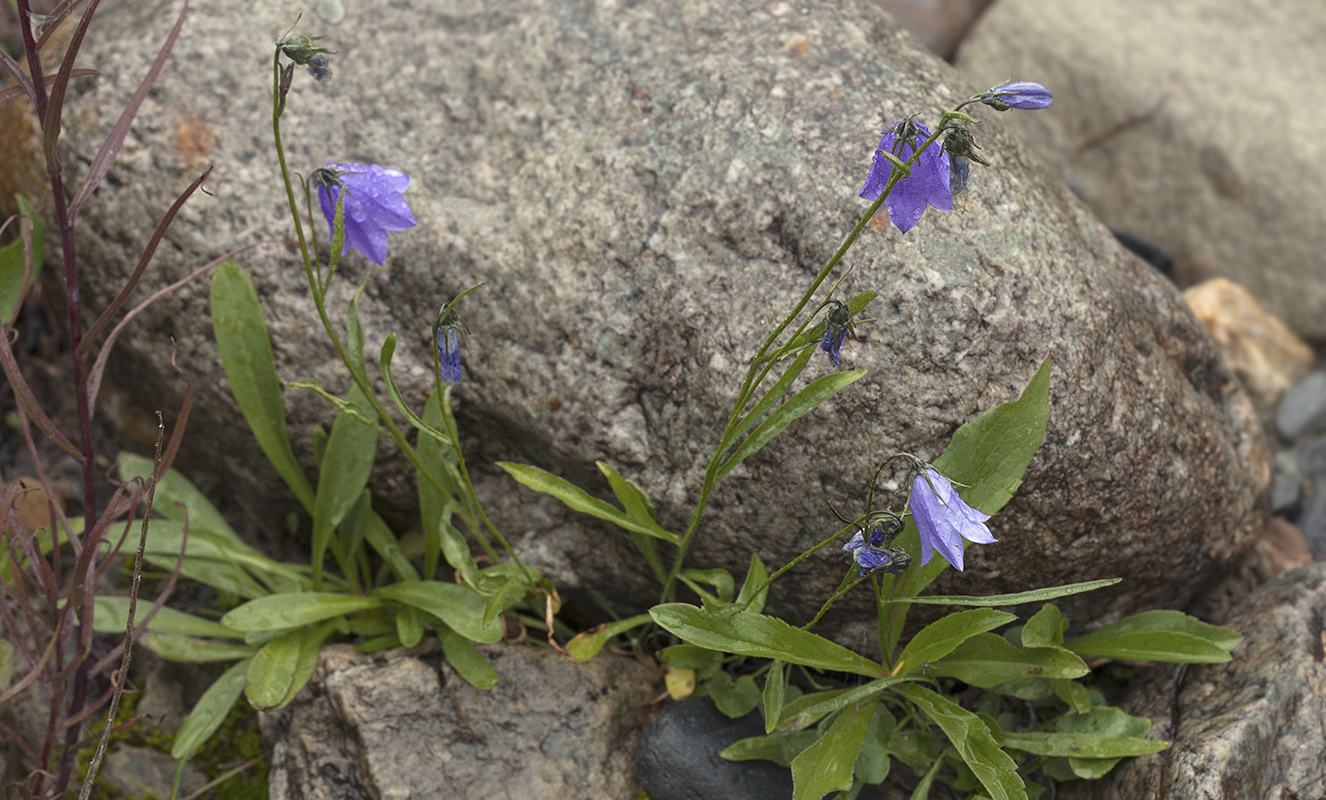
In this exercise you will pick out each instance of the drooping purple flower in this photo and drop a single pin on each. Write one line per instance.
(837, 322)
(319, 66)
(374, 205)
(877, 556)
(1020, 94)
(927, 185)
(448, 354)
(943, 519)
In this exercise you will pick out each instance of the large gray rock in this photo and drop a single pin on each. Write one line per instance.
(1248, 728)
(400, 726)
(1202, 140)
(645, 189)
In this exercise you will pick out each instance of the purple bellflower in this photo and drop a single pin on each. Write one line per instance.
(927, 185)
(943, 519)
(448, 353)
(877, 556)
(374, 205)
(319, 66)
(1021, 94)
(837, 323)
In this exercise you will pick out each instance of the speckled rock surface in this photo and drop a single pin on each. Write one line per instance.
(1249, 728)
(1151, 123)
(404, 725)
(645, 188)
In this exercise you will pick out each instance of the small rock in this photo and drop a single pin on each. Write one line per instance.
(1249, 728)
(678, 756)
(1286, 491)
(1266, 356)
(1282, 548)
(1312, 522)
(939, 24)
(396, 725)
(1303, 409)
(138, 771)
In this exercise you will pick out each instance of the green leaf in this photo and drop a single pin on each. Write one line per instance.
(1074, 694)
(428, 431)
(873, 764)
(280, 611)
(466, 659)
(580, 500)
(756, 575)
(587, 644)
(939, 638)
(1045, 628)
(409, 626)
(808, 709)
(12, 262)
(310, 641)
(436, 505)
(246, 354)
(209, 712)
(750, 634)
(774, 695)
(972, 740)
(734, 698)
(720, 579)
(174, 489)
(767, 402)
(272, 670)
(779, 747)
(344, 474)
(111, 615)
(986, 660)
(1081, 745)
(640, 508)
(354, 334)
(687, 656)
(827, 764)
(1017, 598)
(797, 406)
(460, 607)
(1102, 721)
(186, 649)
(1158, 636)
(505, 597)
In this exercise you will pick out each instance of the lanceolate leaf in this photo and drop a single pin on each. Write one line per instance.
(460, 607)
(827, 764)
(800, 404)
(1158, 636)
(750, 634)
(987, 660)
(344, 474)
(280, 611)
(973, 741)
(578, 499)
(939, 638)
(210, 711)
(246, 354)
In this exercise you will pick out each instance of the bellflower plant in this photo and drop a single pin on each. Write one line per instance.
(943, 520)
(374, 205)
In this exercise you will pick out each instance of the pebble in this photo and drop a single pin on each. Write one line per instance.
(1303, 409)
(678, 756)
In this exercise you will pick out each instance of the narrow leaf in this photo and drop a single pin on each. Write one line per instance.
(344, 474)
(272, 670)
(246, 354)
(987, 660)
(797, 406)
(466, 659)
(751, 634)
(941, 637)
(1081, 745)
(280, 611)
(827, 764)
(587, 644)
(188, 650)
(111, 615)
(460, 607)
(973, 742)
(209, 712)
(580, 500)
(1158, 636)
(775, 692)
(1017, 598)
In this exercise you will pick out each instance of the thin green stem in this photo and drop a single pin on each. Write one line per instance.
(755, 375)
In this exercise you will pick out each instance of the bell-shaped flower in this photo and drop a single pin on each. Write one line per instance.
(837, 323)
(448, 354)
(1020, 94)
(877, 556)
(374, 205)
(943, 519)
(927, 185)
